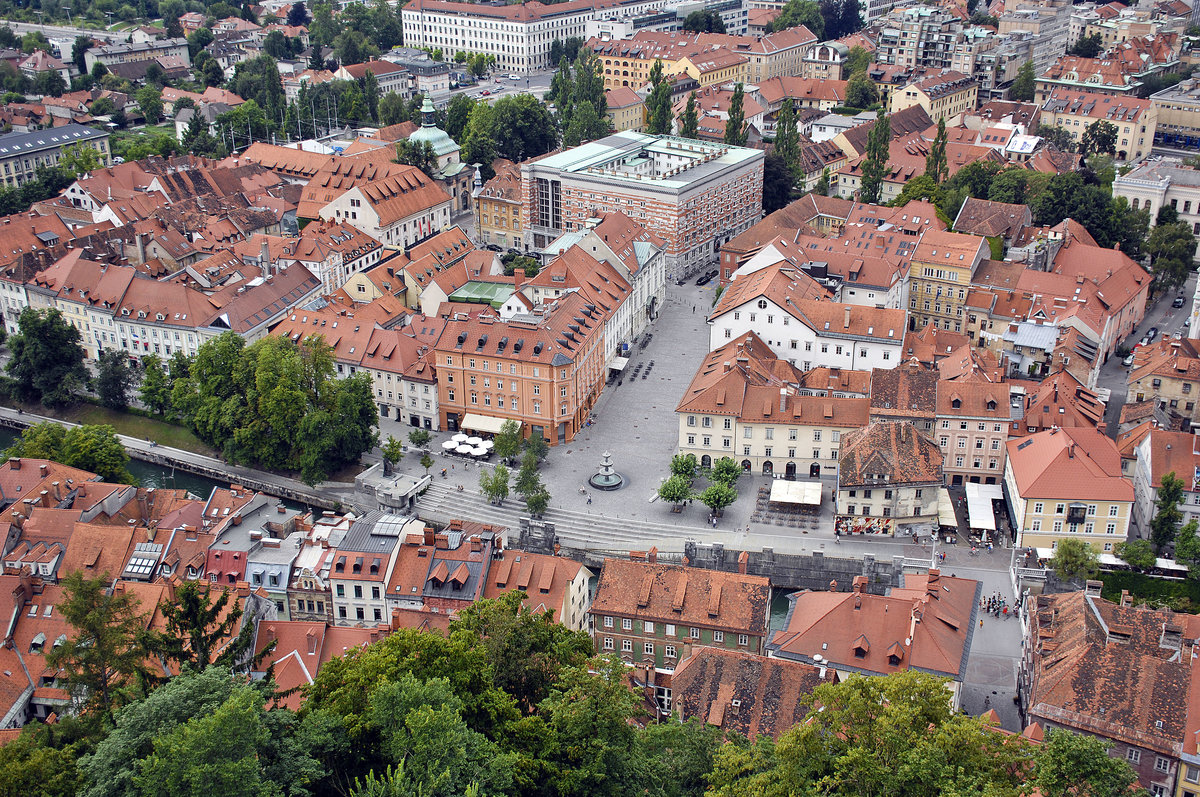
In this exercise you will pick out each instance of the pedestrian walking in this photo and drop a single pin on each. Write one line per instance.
(981, 622)
(589, 499)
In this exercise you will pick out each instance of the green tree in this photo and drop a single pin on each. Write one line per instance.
(936, 165)
(528, 481)
(683, 754)
(876, 735)
(494, 484)
(922, 187)
(479, 140)
(787, 138)
(523, 128)
(526, 649)
(1087, 46)
(1100, 136)
(1074, 559)
(735, 125)
(1060, 137)
(801, 12)
(1187, 548)
(202, 628)
(1068, 764)
(258, 79)
(114, 379)
(658, 104)
(689, 123)
(419, 154)
(537, 502)
(297, 15)
(778, 183)
(392, 450)
(726, 470)
(1008, 186)
(1022, 88)
(42, 761)
(537, 446)
(78, 159)
(218, 752)
(1136, 553)
(81, 45)
(91, 448)
(1172, 248)
(103, 664)
(823, 183)
(592, 746)
(155, 390)
(717, 496)
(684, 465)
(675, 490)
(859, 60)
(419, 437)
(50, 82)
(47, 360)
(704, 21)
(874, 167)
(508, 442)
(458, 112)
(1165, 523)
(861, 91)
(426, 462)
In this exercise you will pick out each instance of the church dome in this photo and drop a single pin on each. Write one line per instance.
(431, 134)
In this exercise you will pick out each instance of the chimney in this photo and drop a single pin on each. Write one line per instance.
(264, 258)
(743, 560)
(18, 520)
(652, 555)
(783, 399)
(43, 470)
(57, 491)
(1071, 451)
(429, 536)
(833, 586)
(14, 463)
(846, 321)
(518, 277)
(44, 498)
(150, 532)
(859, 584)
(1126, 598)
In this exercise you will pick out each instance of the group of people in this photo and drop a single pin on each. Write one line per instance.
(996, 605)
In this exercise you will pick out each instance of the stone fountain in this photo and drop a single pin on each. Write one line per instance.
(606, 478)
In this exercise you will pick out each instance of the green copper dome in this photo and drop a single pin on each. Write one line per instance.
(430, 133)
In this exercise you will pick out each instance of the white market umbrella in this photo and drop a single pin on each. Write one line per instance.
(464, 449)
(459, 438)
(474, 441)
(489, 444)
(479, 451)
(449, 444)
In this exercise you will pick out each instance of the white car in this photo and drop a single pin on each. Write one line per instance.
(514, 77)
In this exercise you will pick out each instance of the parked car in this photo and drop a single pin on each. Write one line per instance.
(703, 279)
(1178, 302)
(485, 93)
(514, 77)
(1128, 361)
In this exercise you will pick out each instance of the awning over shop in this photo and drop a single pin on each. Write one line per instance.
(785, 492)
(946, 515)
(979, 505)
(619, 363)
(484, 423)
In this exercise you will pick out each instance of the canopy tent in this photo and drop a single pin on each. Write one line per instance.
(619, 363)
(484, 423)
(979, 505)
(786, 492)
(946, 516)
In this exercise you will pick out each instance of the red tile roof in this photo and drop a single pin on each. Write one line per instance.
(686, 596)
(926, 624)
(1070, 462)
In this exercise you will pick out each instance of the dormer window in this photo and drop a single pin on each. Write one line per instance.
(141, 313)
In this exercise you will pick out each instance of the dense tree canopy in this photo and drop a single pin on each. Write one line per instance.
(47, 360)
(277, 404)
(91, 448)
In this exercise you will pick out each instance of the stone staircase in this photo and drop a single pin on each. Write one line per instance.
(593, 531)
